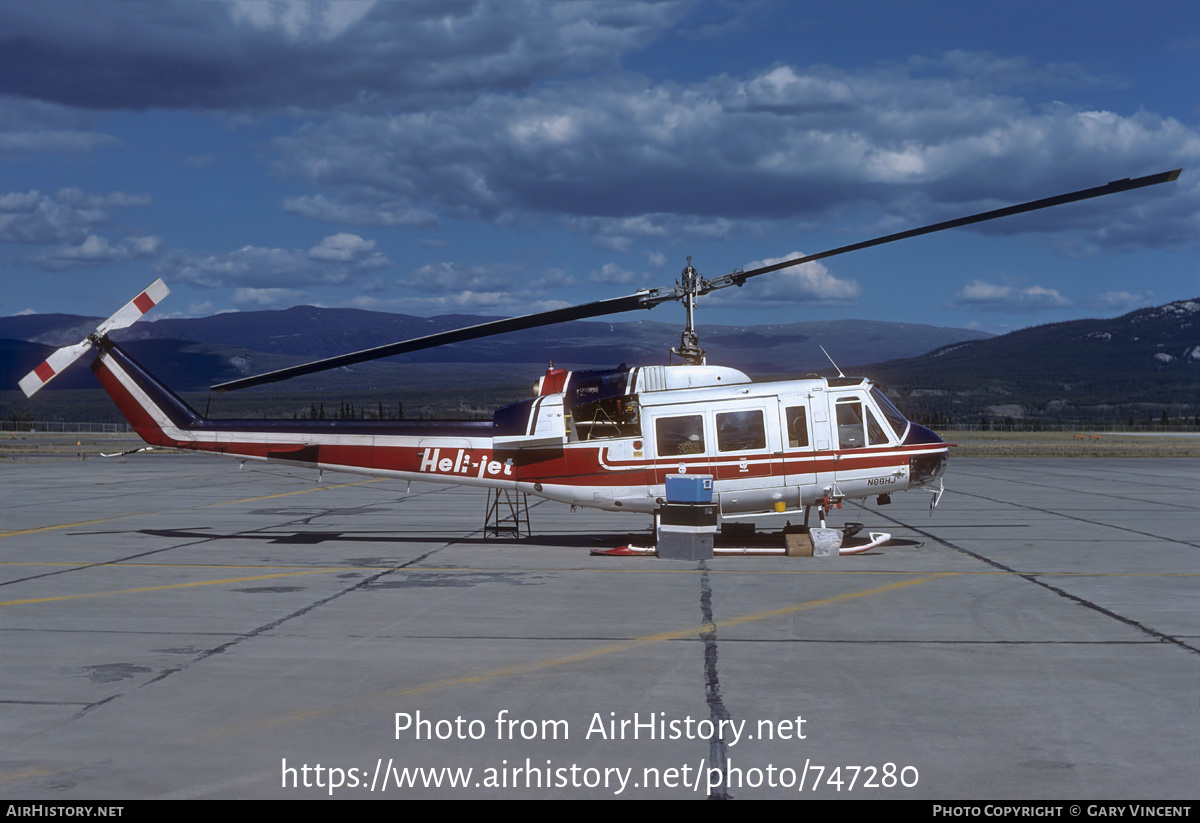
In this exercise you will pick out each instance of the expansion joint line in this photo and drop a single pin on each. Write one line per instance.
(717, 754)
(1141, 532)
(1033, 577)
(360, 585)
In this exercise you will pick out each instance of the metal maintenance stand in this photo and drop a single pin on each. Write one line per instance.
(507, 514)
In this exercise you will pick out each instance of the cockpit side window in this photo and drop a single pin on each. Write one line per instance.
(741, 431)
(858, 425)
(894, 417)
(679, 435)
(875, 433)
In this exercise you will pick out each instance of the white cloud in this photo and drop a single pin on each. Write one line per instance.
(347, 248)
(1123, 300)
(96, 250)
(620, 233)
(505, 303)
(461, 277)
(34, 127)
(301, 19)
(387, 213)
(989, 296)
(286, 54)
(336, 259)
(611, 273)
(625, 161)
(33, 141)
(67, 216)
(808, 283)
(268, 297)
(203, 309)
(553, 278)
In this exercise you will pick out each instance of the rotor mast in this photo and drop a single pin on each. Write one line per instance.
(688, 288)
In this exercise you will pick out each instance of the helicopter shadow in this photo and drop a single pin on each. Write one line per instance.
(313, 538)
(570, 540)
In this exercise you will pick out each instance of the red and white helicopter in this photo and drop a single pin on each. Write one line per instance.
(604, 439)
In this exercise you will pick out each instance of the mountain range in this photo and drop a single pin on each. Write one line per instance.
(1141, 364)
(1130, 367)
(191, 354)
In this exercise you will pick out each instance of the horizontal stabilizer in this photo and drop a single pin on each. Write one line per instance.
(126, 316)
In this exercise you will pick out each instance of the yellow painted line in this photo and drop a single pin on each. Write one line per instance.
(195, 566)
(529, 668)
(160, 588)
(266, 724)
(841, 571)
(69, 525)
(300, 491)
(27, 772)
(205, 506)
(545, 570)
(693, 631)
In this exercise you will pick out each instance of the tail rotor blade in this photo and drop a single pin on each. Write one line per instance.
(51, 366)
(132, 311)
(125, 316)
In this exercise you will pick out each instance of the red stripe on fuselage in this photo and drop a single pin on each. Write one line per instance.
(588, 467)
(791, 457)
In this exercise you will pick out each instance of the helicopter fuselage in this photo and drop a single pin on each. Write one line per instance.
(603, 439)
(600, 439)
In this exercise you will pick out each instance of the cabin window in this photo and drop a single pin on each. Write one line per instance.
(796, 418)
(607, 418)
(680, 435)
(741, 431)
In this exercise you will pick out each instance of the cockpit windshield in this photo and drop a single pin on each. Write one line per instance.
(894, 417)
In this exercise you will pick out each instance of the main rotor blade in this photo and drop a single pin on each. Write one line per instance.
(737, 278)
(641, 300)
(650, 298)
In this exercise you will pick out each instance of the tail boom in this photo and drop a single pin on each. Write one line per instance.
(380, 448)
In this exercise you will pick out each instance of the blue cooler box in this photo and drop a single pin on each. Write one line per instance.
(689, 488)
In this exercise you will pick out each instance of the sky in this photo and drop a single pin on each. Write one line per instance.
(502, 158)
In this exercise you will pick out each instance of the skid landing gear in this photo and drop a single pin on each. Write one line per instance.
(827, 504)
(740, 540)
(845, 541)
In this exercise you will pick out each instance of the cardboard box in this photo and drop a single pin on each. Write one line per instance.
(798, 544)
